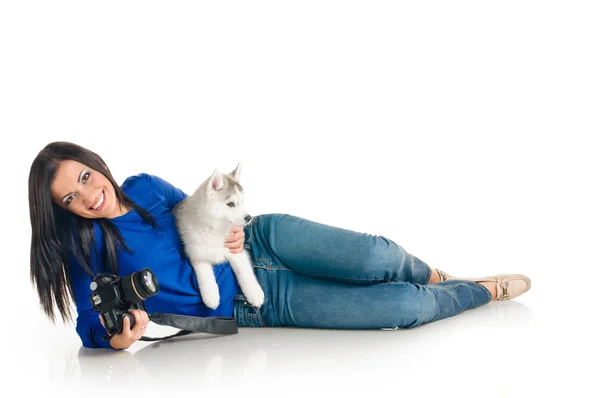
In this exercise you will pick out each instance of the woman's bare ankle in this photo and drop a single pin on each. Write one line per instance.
(491, 286)
(435, 277)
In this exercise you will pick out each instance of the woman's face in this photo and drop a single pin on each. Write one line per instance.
(84, 191)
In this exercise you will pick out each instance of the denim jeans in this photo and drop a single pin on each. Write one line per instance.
(319, 276)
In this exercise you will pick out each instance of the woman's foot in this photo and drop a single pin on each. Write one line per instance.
(501, 287)
(505, 286)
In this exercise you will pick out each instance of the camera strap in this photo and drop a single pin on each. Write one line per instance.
(193, 324)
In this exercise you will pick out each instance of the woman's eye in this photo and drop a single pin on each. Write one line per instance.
(230, 204)
(85, 177)
(69, 200)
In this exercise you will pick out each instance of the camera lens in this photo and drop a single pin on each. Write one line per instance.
(148, 279)
(140, 285)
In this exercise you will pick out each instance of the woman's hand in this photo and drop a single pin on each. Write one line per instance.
(128, 336)
(235, 240)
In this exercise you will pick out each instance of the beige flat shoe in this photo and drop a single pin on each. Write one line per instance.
(508, 286)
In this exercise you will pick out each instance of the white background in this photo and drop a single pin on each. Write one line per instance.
(466, 131)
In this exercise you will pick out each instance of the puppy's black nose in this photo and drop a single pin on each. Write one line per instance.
(248, 218)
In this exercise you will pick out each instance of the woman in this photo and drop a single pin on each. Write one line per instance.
(313, 275)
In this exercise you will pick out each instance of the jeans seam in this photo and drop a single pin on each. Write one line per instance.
(256, 314)
(265, 263)
(353, 278)
(245, 318)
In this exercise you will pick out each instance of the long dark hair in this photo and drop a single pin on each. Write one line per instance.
(57, 234)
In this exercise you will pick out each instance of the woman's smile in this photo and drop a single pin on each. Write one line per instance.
(99, 205)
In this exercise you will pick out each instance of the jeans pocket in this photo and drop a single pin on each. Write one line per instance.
(246, 314)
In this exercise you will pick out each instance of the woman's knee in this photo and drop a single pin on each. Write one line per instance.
(383, 256)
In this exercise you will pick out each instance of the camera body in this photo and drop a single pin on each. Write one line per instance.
(113, 296)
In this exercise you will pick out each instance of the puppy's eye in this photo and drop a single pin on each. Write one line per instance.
(230, 204)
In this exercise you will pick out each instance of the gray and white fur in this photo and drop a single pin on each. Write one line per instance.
(203, 220)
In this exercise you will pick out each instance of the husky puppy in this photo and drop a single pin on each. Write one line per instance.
(203, 220)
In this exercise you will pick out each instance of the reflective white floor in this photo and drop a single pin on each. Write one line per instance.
(511, 348)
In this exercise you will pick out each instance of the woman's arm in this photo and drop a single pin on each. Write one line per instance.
(88, 325)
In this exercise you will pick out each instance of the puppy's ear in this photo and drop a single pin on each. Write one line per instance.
(237, 172)
(215, 183)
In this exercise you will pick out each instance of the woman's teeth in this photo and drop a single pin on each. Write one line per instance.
(99, 202)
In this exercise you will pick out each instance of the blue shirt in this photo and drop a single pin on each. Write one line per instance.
(161, 250)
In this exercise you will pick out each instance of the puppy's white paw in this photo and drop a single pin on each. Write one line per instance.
(255, 295)
(210, 296)
(211, 301)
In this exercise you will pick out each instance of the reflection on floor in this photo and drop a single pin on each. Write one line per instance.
(476, 352)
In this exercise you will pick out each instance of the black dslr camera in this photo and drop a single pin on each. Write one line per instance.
(112, 296)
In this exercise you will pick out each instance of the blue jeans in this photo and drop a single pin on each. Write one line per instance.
(319, 276)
